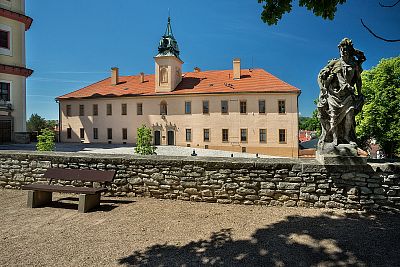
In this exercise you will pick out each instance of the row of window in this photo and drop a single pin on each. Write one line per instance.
(262, 133)
(206, 134)
(188, 108)
(96, 133)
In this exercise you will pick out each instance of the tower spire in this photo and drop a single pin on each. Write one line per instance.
(168, 46)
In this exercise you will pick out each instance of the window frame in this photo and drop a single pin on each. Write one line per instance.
(69, 133)
(206, 108)
(208, 134)
(284, 106)
(109, 109)
(259, 106)
(82, 133)
(81, 110)
(188, 132)
(124, 109)
(68, 110)
(7, 85)
(137, 109)
(7, 51)
(95, 133)
(246, 136)
(227, 107)
(109, 133)
(227, 136)
(8, 33)
(285, 136)
(188, 104)
(163, 108)
(124, 133)
(259, 135)
(95, 110)
(241, 106)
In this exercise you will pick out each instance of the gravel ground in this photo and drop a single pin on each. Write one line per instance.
(150, 232)
(130, 150)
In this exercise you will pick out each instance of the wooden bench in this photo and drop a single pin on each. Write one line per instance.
(89, 197)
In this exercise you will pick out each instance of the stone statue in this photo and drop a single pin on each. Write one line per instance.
(340, 99)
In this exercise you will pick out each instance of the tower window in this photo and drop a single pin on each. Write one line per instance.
(5, 91)
(4, 39)
(164, 75)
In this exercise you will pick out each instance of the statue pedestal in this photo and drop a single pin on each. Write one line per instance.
(343, 154)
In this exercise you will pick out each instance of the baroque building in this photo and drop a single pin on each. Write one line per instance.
(13, 71)
(241, 110)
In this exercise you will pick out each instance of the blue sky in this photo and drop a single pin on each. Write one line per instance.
(74, 43)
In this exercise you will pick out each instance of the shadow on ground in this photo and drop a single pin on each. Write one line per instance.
(72, 204)
(327, 240)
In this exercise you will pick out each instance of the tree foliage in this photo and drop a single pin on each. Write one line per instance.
(380, 116)
(36, 123)
(274, 9)
(45, 141)
(144, 145)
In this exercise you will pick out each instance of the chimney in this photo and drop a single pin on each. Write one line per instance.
(197, 69)
(141, 77)
(114, 76)
(236, 69)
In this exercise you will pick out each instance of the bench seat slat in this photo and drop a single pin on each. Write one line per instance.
(63, 189)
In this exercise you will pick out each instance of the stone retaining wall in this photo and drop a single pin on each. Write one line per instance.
(273, 182)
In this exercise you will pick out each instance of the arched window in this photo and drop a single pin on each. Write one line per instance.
(163, 108)
(164, 75)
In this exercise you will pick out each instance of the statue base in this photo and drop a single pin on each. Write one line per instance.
(343, 154)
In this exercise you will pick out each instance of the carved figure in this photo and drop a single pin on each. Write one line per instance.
(340, 97)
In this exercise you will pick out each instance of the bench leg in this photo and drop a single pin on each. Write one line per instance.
(87, 202)
(38, 198)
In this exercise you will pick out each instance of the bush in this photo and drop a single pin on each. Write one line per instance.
(143, 144)
(45, 141)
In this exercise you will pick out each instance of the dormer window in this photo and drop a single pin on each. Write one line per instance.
(163, 108)
(163, 75)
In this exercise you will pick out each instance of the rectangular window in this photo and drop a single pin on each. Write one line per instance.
(68, 110)
(109, 133)
(243, 135)
(281, 107)
(109, 109)
(95, 110)
(82, 133)
(188, 107)
(243, 107)
(224, 107)
(188, 135)
(4, 39)
(81, 110)
(263, 135)
(124, 109)
(69, 133)
(206, 134)
(95, 133)
(5, 91)
(261, 106)
(124, 133)
(139, 109)
(282, 135)
(225, 135)
(206, 107)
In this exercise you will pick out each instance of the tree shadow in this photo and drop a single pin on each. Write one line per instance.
(327, 240)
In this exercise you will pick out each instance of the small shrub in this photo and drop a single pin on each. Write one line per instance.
(143, 144)
(45, 141)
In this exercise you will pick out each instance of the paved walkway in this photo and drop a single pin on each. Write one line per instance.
(152, 232)
(130, 150)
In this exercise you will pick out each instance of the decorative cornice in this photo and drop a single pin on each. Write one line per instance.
(15, 70)
(16, 16)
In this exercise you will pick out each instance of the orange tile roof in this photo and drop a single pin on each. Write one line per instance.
(204, 82)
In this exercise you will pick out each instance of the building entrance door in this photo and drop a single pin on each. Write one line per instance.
(5, 131)
(171, 138)
(157, 138)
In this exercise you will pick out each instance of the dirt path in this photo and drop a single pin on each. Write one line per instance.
(150, 232)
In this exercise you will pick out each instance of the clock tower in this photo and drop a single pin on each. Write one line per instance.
(168, 65)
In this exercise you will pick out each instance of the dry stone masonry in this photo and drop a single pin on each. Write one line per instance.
(272, 182)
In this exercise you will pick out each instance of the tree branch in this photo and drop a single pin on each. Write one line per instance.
(381, 38)
(389, 6)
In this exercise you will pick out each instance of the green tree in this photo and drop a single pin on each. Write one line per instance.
(36, 123)
(45, 141)
(380, 116)
(144, 145)
(311, 123)
(273, 11)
